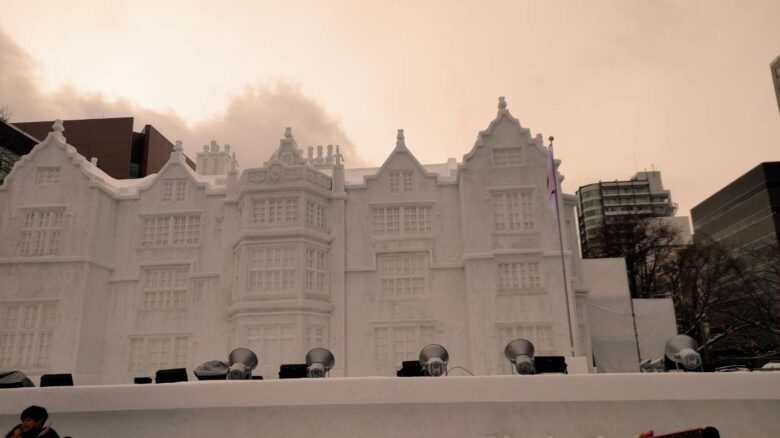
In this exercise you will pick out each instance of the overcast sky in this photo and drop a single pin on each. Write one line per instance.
(683, 86)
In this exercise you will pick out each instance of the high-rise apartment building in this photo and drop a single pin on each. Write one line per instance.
(614, 206)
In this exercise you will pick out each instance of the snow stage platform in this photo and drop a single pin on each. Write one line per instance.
(606, 405)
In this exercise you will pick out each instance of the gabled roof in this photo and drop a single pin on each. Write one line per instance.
(503, 113)
(288, 151)
(400, 148)
(117, 188)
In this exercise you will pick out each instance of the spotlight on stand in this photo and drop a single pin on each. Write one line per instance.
(242, 361)
(433, 360)
(318, 362)
(521, 353)
(15, 379)
(212, 370)
(681, 350)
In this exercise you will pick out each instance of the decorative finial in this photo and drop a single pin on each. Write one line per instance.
(178, 147)
(205, 148)
(338, 156)
(93, 160)
(551, 138)
(400, 139)
(58, 126)
(227, 148)
(233, 163)
(288, 132)
(501, 103)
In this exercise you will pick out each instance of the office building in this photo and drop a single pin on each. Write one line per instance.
(120, 152)
(743, 214)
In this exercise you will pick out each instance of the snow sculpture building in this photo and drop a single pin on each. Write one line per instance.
(112, 279)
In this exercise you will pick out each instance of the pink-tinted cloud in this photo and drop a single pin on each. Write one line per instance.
(252, 123)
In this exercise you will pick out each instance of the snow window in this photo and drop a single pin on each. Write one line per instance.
(40, 231)
(47, 175)
(271, 269)
(520, 276)
(165, 287)
(151, 353)
(506, 157)
(26, 334)
(402, 275)
(513, 210)
(404, 220)
(316, 270)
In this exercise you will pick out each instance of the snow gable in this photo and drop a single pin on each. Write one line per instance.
(506, 144)
(401, 172)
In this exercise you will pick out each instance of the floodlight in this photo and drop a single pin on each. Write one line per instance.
(15, 379)
(242, 361)
(212, 370)
(521, 353)
(433, 359)
(681, 350)
(318, 362)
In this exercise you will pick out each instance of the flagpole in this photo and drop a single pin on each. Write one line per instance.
(560, 240)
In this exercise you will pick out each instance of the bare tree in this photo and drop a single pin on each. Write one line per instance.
(648, 245)
(729, 302)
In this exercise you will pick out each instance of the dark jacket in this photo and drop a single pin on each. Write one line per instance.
(46, 432)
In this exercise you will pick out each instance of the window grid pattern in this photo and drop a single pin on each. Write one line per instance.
(47, 175)
(26, 334)
(174, 190)
(176, 230)
(271, 269)
(401, 181)
(165, 287)
(513, 211)
(314, 336)
(151, 353)
(316, 271)
(316, 215)
(519, 276)
(269, 211)
(218, 227)
(274, 343)
(404, 220)
(540, 335)
(395, 344)
(402, 275)
(40, 232)
(507, 157)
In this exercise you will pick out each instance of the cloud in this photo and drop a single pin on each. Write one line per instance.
(252, 122)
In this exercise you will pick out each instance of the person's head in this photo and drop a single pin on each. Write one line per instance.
(16, 432)
(33, 418)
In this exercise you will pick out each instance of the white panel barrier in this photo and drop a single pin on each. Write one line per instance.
(603, 405)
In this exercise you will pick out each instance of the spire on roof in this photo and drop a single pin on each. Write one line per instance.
(400, 139)
(58, 128)
(233, 163)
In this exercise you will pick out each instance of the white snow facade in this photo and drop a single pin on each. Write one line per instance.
(113, 279)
